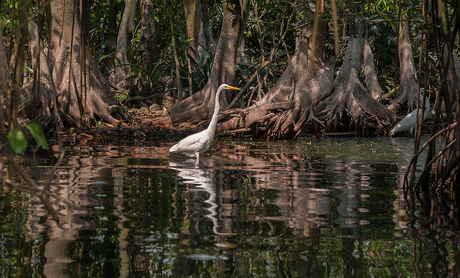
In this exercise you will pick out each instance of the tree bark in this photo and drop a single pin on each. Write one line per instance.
(79, 98)
(137, 80)
(147, 36)
(201, 105)
(287, 108)
(409, 85)
(197, 20)
(369, 72)
(43, 98)
(111, 38)
(350, 97)
(121, 54)
(453, 77)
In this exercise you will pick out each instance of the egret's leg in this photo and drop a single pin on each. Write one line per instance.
(197, 161)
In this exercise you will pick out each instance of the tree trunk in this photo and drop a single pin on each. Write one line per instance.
(77, 96)
(409, 85)
(350, 97)
(369, 72)
(287, 108)
(147, 37)
(201, 105)
(137, 80)
(43, 98)
(126, 25)
(111, 38)
(197, 20)
(452, 77)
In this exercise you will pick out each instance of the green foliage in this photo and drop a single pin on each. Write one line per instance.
(262, 32)
(17, 140)
(38, 135)
(8, 23)
(201, 67)
(382, 20)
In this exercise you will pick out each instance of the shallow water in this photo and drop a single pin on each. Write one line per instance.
(250, 209)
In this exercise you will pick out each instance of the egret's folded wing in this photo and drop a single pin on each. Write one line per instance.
(190, 144)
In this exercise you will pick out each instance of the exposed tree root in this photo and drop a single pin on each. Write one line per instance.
(287, 108)
(71, 87)
(201, 105)
(408, 94)
(350, 97)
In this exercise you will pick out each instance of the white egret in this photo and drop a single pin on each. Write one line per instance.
(409, 121)
(199, 142)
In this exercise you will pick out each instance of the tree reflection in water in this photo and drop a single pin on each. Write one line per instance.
(249, 209)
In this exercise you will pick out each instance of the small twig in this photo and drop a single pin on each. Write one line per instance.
(248, 84)
(37, 191)
(32, 184)
(423, 148)
(61, 157)
(433, 160)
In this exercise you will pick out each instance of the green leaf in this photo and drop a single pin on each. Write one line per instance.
(38, 135)
(17, 140)
(103, 57)
(29, 69)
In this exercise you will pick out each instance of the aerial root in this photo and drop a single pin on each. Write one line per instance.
(305, 120)
(427, 143)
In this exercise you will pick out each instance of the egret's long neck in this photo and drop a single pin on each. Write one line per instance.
(213, 123)
(427, 103)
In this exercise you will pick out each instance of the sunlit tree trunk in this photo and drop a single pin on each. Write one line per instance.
(197, 20)
(78, 97)
(409, 85)
(287, 107)
(351, 102)
(201, 105)
(121, 54)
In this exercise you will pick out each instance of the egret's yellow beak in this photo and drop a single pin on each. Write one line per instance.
(427, 92)
(233, 88)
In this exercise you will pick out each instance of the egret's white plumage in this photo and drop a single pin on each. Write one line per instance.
(199, 142)
(409, 121)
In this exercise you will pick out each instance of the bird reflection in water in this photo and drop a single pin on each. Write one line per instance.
(199, 181)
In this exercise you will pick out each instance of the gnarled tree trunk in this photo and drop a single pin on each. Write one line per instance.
(78, 96)
(409, 86)
(198, 29)
(201, 105)
(350, 97)
(72, 86)
(288, 107)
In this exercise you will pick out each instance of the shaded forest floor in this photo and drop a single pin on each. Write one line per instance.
(153, 124)
(137, 124)
(142, 124)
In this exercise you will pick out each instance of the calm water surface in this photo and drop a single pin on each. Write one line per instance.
(250, 209)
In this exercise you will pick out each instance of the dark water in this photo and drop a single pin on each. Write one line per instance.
(279, 209)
